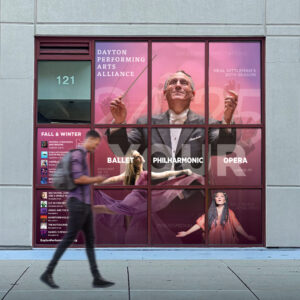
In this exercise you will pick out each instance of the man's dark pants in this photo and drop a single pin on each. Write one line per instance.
(80, 218)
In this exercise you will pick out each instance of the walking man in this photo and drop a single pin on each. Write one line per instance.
(80, 212)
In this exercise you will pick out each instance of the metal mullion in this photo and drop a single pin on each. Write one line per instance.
(234, 245)
(128, 39)
(120, 245)
(206, 156)
(98, 187)
(179, 126)
(236, 126)
(93, 78)
(63, 125)
(236, 187)
(236, 39)
(263, 137)
(120, 187)
(209, 125)
(44, 187)
(92, 113)
(120, 125)
(36, 44)
(178, 187)
(180, 245)
(149, 129)
(172, 187)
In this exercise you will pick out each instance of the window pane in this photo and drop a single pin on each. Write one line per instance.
(120, 216)
(64, 91)
(235, 66)
(120, 151)
(175, 211)
(121, 70)
(169, 58)
(175, 149)
(52, 217)
(238, 164)
(240, 213)
(52, 144)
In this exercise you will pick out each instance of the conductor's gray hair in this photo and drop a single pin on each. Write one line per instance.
(181, 71)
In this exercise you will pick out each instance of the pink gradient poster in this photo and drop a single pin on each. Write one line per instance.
(171, 57)
(52, 145)
(243, 165)
(110, 160)
(118, 65)
(123, 227)
(179, 215)
(245, 206)
(52, 217)
(235, 66)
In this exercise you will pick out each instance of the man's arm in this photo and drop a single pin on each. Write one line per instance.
(125, 140)
(78, 166)
(89, 180)
(119, 136)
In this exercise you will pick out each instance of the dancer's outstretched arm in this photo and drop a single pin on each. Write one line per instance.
(189, 231)
(113, 179)
(166, 174)
(197, 226)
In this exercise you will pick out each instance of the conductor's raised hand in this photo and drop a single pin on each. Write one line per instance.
(118, 110)
(231, 101)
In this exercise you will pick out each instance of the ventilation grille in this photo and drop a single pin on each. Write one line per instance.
(64, 48)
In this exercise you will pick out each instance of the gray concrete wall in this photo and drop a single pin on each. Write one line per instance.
(278, 20)
(16, 117)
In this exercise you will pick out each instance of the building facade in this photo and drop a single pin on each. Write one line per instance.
(271, 25)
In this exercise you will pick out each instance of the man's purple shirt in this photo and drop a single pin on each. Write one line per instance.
(80, 168)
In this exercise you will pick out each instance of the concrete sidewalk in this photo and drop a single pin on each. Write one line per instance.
(155, 279)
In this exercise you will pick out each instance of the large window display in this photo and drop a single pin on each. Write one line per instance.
(182, 140)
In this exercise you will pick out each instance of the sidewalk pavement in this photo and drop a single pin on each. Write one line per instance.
(141, 274)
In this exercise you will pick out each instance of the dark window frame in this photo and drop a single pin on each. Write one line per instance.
(64, 52)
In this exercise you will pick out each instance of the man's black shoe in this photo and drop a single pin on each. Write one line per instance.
(48, 279)
(101, 282)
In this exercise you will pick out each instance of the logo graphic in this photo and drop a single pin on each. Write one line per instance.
(43, 225)
(44, 172)
(43, 203)
(44, 154)
(44, 163)
(44, 210)
(44, 180)
(43, 233)
(44, 195)
(43, 219)
(44, 144)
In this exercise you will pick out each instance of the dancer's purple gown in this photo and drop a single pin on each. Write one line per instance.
(112, 229)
